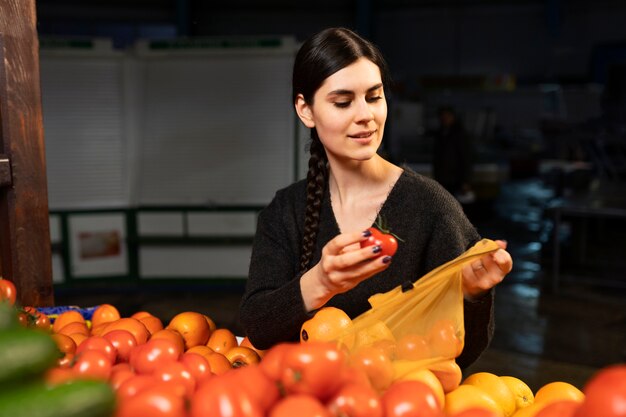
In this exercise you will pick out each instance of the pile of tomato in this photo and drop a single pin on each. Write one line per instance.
(190, 368)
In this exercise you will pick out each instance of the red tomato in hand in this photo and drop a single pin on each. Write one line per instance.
(313, 368)
(7, 291)
(605, 393)
(386, 241)
(410, 399)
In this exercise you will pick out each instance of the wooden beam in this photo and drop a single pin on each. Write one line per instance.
(25, 254)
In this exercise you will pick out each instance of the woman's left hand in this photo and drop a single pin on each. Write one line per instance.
(481, 275)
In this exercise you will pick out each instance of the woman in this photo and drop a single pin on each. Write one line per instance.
(307, 252)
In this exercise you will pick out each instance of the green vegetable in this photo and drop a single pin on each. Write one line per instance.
(71, 399)
(25, 354)
(8, 316)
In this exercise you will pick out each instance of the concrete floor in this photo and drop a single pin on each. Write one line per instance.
(540, 336)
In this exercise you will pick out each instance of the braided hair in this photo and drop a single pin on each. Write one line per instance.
(319, 57)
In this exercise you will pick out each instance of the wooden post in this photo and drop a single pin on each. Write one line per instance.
(25, 253)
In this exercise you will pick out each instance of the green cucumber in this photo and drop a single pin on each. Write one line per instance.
(70, 399)
(25, 354)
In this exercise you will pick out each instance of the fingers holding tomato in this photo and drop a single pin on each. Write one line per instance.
(382, 242)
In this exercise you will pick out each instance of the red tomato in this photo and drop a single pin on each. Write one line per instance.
(154, 401)
(123, 341)
(272, 363)
(355, 400)
(100, 344)
(120, 376)
(7, 291)
(562, 408)
(38, 319)
(258, 385)
(176, 372)
(55, 376)
(313, 369)
(197, 365)
(301, 405)
(605, 393)
(410, 399)
(144, 359)
(475, 412)
(134, 385)
(92, 364)
(386, 241)
(221, 397)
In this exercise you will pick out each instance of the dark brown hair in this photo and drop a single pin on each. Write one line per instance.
(319, 57)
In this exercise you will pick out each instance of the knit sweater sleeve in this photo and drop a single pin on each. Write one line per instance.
(272, 308)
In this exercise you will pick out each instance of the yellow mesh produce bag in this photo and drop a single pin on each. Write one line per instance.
(418, 327)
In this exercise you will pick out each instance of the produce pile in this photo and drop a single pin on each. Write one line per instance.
(108, 365)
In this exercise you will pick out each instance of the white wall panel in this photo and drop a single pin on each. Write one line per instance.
(82, 99)
(194, 262)
(216, 128)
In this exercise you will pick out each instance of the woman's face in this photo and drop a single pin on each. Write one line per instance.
(349, 111)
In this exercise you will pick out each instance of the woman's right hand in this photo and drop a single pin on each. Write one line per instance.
(342, 266)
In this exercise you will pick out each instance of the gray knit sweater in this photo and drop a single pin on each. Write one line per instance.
(428, 219)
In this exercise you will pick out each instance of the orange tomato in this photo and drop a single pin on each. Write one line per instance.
(140, 314)
(65, 318)
(153, 324)
(172, 335)
(210, 322)
(219, 363)
(245, 342)
(376, 365)
(448, 373)
(412, 347)
(65, 343)
(192, 326)
(78, 337)
(239, 356)
(104, 313)
(388, 346)
(222, 340)
(201, 350)
(328, 324)
(444, 340)
(74, 327)
(134, 326)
